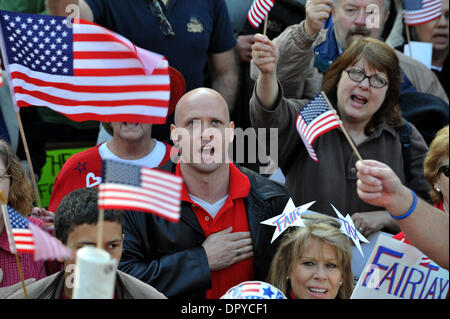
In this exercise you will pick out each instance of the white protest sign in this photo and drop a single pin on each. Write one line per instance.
(359, 261)
(421, 51)
(396, 270)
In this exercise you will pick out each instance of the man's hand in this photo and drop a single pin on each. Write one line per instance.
(368, 223)
(378, 185)
(46, 216)
(244, 47)
(265, 54)
(225, 248)
(9, 290)
(317, 11)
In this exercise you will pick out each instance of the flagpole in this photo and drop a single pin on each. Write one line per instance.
(265, 24)
(4, 212)
(408, 39)
(30, 165)
(16, 108)
(21, 277)
(343, 128)
(101, 214)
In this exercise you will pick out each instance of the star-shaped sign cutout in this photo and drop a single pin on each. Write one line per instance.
(349, 229)
(291, 216)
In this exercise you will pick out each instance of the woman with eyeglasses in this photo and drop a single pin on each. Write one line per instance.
(17, 189)
(436, 173)
(363, 85)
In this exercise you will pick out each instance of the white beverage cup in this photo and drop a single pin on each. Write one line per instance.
(95, 274)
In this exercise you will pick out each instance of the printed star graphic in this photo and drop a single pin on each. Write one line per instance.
(81, 167)
(268, 292)
(349, 229)
(291, 216)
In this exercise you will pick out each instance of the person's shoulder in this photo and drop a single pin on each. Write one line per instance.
(265, 187)
(169, 151)
(90, 153)
(139, 289)
(405, 60)
(35, 290)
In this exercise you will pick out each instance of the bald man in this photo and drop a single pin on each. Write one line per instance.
(219, 241)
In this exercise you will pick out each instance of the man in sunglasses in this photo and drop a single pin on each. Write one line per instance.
(310, 44)
(189, 33)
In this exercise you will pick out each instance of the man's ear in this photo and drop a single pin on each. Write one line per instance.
(231, 137)
(172, 137)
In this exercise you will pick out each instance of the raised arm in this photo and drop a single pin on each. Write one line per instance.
(296, 71)
(265, 57)
(426, 227)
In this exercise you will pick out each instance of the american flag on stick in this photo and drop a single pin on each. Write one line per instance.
(83, 70)
(421, 11)
(25, 237)
(258, 11)
(315, 118)
(140, 188)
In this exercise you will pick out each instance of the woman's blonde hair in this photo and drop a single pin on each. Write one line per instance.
(437, 152)
(297, 240)
(20, 192)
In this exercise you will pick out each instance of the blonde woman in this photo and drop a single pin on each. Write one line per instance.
(314, 262)
(17, 189)
(436, 173)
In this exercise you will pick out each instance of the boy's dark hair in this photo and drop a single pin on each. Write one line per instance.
(80, 207)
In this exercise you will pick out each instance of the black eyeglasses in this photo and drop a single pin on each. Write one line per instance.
(375, 80)
(164, 24)
(443, 169)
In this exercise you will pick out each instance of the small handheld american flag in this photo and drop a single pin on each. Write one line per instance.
(25, 237)
(132, 187)
(83, 71)
(314, 119)
(421, 11)
(258, 11)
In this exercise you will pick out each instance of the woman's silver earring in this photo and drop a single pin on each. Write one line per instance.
(437, 189)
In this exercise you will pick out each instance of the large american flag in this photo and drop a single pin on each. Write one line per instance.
(25, 237)
(140, 188)
(421, 11)
(258, 11)
(83, 71)
(314, 119)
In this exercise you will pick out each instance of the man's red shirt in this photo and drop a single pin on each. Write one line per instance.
(233, 213)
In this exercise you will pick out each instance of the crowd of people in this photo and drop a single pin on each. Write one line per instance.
(236, 77)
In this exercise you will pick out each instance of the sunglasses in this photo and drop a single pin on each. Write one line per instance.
(444, 169)
(164, 25)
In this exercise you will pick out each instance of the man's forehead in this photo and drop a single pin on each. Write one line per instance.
(361, 3)
(204, 108)
(86, 231)
(199, 113)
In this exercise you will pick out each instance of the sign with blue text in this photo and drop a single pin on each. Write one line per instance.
(396, 270)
